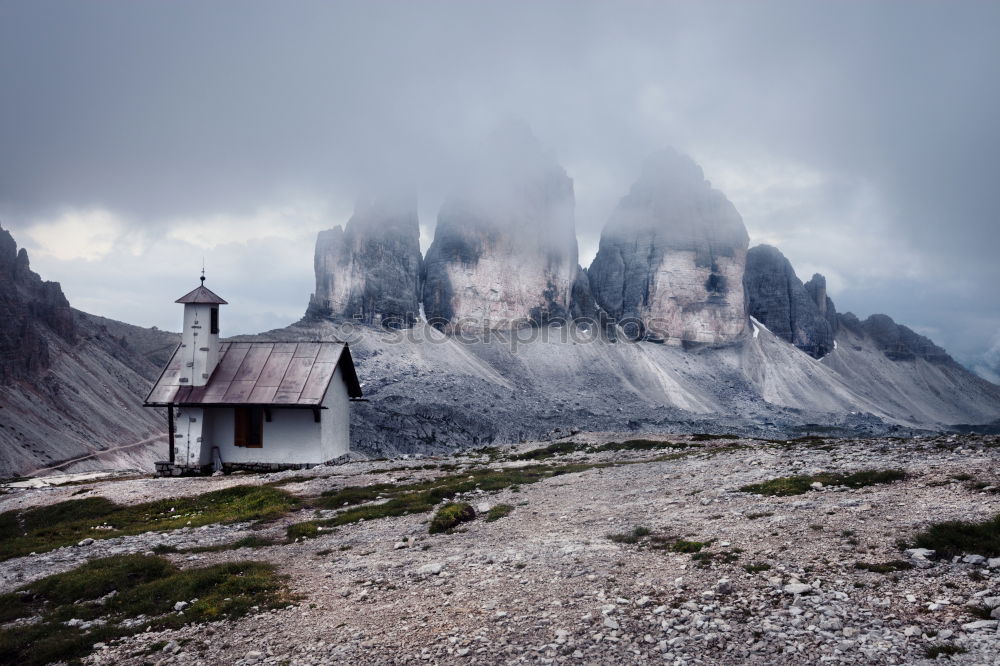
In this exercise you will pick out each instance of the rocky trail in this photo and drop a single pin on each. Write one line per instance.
(713, 574)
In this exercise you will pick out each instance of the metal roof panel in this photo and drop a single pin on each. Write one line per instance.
(269, 373)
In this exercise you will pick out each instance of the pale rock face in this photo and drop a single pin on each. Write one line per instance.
(671, 257)
(370, 272)
(504, 253)
(684, 305)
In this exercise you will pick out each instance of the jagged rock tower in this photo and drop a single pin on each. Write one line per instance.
(801, 314)
(370, 272)
(504, 252)
(671, 258)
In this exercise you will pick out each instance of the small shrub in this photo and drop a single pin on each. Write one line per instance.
(499, 511)
(450, 516)
(957, 537)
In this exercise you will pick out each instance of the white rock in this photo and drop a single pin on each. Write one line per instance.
(973, 559)
(797, 588)
(432, 569)
(980, 624)
(399, 545)
(483, 507)
(180, 605)
(993, 563)
(86, 542)
(610, 622)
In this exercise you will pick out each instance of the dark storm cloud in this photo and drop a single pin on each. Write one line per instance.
(877, 121)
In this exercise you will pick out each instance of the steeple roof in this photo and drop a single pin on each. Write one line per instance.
(201, 294)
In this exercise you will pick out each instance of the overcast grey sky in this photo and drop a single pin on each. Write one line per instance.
(859, 137)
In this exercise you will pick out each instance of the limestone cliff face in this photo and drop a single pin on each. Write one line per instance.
(29, 305)
(794, 312)
(504, 253)
(671, 257)
(370, 271)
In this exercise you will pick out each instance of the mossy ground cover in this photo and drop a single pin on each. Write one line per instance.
(797, 485)
(960, 537)
(497, 512)
(422, 496)
(66, 523)
(145, 588)
(252, 541)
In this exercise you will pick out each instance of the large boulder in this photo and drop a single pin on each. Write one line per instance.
(504, 253)
(778, 299)
(671, 258)
(370, 271)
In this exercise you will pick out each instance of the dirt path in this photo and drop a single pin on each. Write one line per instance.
(96, 454)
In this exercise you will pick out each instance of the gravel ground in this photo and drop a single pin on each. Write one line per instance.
(546, 585)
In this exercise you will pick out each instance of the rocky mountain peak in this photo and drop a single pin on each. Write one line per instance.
(504, 252)
(31, 307)
(778, 299)
(671, 256)
(370, 272)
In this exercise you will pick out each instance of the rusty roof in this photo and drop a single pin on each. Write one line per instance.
(278, 374)
(201, 294)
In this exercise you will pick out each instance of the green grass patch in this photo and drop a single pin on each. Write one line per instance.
(451, 515)
(497, 512)
(958, 537)
(797, 485)
(757, 567)
(884, 567)
(683, 546)
(634, 536)
(66, 523)
(251, 541)
(143, 585)
(423, 496)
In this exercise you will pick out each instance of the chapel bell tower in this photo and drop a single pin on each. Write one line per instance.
(200, 335)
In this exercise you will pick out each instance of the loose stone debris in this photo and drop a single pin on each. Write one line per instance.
(775, 579)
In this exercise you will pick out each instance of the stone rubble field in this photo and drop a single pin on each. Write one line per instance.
(712, 575)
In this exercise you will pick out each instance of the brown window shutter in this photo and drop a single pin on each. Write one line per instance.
(241, 425)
